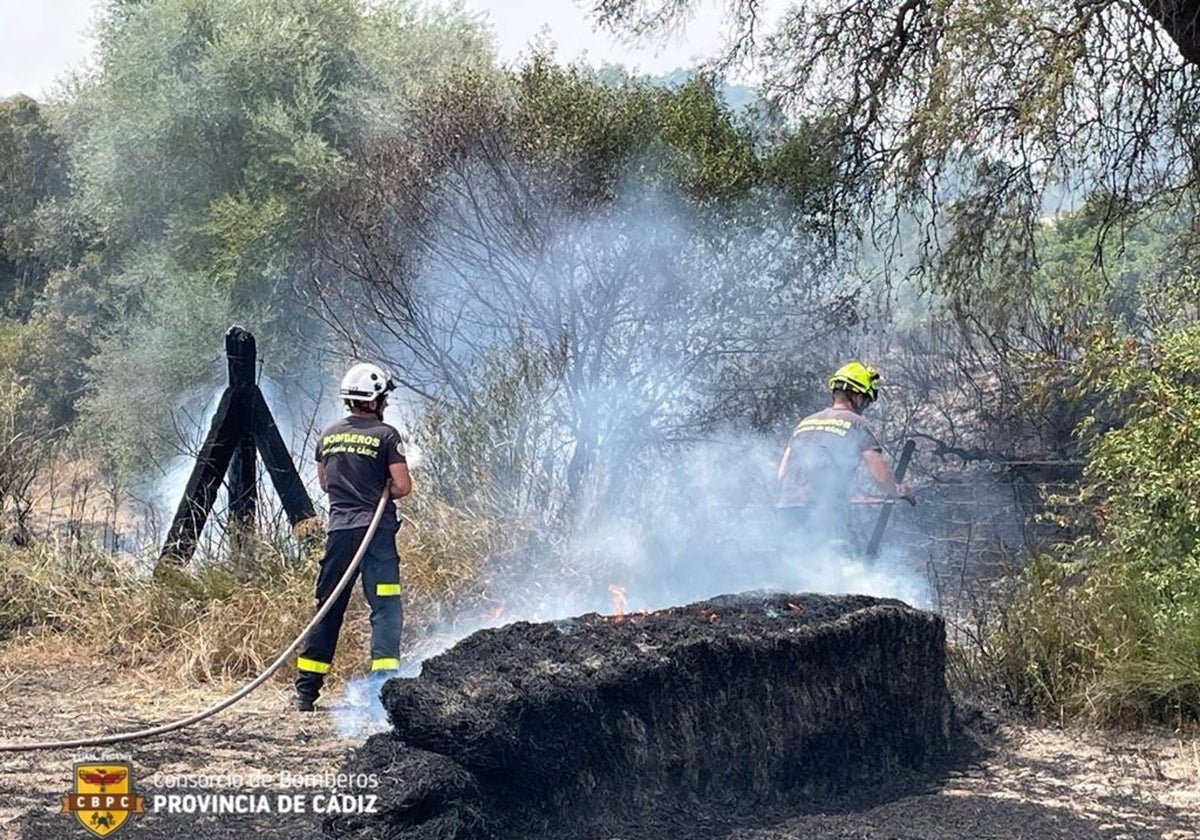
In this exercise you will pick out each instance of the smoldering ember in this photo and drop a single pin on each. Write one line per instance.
(716, 710)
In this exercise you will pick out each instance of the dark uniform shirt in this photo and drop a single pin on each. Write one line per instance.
(827, 448)
(356, 453)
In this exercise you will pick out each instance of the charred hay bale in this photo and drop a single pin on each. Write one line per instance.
(421, 796)
(734, 704)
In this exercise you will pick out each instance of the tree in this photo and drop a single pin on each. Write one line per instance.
(611, 253)
(216, 125)
(204, 146)
(33, 174)
(972, 111)
(960, 131)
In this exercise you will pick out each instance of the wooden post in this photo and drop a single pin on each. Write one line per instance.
(241, 353)
(241, 424)
(282, 471)
(205, 481)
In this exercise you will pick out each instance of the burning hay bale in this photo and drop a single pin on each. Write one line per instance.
(724, 706)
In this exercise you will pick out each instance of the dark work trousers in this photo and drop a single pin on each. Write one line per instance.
(380, 570)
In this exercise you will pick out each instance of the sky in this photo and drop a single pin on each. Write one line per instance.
(43, 40)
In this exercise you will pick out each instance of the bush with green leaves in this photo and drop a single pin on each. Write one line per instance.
(1111, 630)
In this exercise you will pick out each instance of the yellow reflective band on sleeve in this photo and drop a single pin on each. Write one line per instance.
(387, 589)
(385, 664)
(312, 665)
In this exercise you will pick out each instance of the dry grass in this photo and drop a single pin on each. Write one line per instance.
(232, 618)
(1088, 643)
(445, 551)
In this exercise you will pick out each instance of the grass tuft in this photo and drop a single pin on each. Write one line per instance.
(1090, 641)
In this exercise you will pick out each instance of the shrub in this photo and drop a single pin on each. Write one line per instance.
(1110, 630)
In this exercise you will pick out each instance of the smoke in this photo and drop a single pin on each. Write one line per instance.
(630, 372)
(623, 378)
(705, 524)
(193, 414)
(360, 712)
(717, 534)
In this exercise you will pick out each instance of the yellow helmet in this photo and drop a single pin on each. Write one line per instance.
(856, 378)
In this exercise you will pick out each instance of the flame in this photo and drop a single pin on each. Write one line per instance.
(618, 594)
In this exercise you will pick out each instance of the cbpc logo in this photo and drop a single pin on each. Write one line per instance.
(103, 797)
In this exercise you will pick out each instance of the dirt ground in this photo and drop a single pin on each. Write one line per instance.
(1028, 782)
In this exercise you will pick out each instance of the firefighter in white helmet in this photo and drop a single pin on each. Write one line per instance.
(357, 456)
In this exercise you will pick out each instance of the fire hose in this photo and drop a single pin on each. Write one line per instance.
(162, 729)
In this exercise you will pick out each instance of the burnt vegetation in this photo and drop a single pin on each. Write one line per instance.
(714, 712)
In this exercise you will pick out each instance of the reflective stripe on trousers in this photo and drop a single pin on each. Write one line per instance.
(380, 571)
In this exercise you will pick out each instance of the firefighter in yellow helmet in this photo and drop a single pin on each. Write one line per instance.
(817, 471)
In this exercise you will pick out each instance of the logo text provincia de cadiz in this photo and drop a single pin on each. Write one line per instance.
(264, 803)
(103, 801)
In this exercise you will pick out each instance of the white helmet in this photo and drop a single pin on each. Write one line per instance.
(365, 382)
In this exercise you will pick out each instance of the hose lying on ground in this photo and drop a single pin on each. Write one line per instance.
(162, 729)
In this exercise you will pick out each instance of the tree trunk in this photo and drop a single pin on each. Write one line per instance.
(1179, 19)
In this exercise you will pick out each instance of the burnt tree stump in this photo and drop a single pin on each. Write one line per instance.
(726, 706)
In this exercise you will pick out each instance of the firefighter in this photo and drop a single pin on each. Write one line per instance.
(817, 471)
(357, 457)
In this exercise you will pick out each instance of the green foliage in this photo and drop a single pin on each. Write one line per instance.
(1142, 473)
(406, 48)
(150, 371)
(1087, 639)
(205, 147)
(1075, 275)
(800, 163)
(716, 155)
(33, 172)
(999, 340)
(1112, 631)
(201, 99)
(244, 237)
(579, 130)
(209, 113)
(596, 129)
